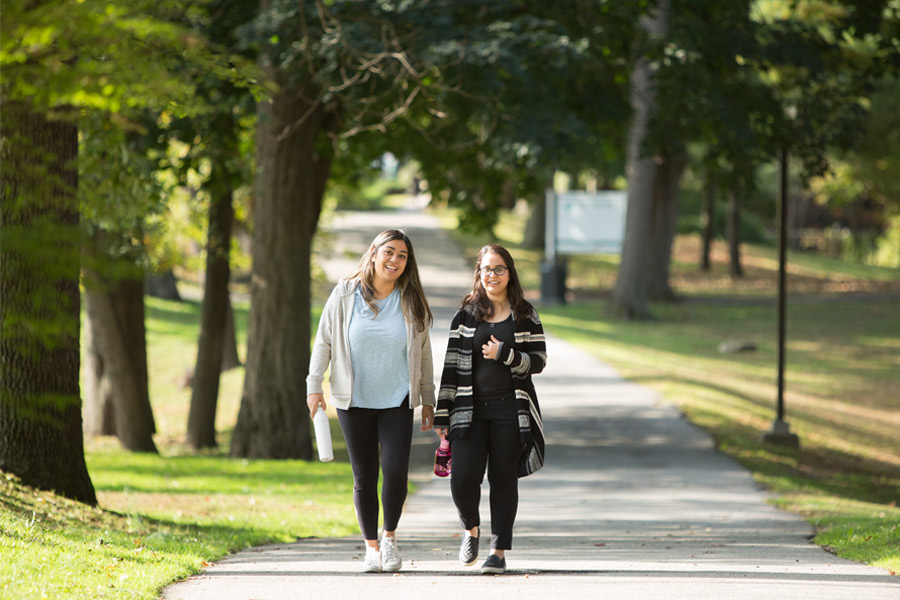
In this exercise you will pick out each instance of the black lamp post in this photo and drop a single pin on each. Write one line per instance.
(781, 431)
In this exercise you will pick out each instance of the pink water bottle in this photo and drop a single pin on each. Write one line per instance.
(442, 458)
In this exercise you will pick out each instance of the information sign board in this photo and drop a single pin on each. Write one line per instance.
(585, 222)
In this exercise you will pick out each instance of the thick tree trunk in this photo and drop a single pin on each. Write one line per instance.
(115, 314)
(273, 421)
(666, 201)
(630, 294)
(708, 223)
(201, 427)
(734, 235)
(41, 438)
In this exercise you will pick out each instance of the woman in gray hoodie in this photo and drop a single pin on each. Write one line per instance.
(374, 334)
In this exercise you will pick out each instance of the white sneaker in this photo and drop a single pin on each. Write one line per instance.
(390, 556)
(373, 561)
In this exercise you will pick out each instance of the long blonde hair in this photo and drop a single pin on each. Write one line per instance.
(409, 283)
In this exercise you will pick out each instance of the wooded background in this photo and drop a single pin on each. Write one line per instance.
(143, 139)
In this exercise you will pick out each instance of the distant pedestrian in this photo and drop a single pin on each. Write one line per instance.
(374, 334)
(487, 403)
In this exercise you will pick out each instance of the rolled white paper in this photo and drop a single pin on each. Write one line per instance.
(323, 435)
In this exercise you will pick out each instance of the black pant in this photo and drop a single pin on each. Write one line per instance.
(364, 430)
(493, 441)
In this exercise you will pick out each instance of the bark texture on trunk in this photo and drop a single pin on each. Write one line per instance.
(666, 202)
(41, 439)
(201, 426)
(115, 315)
(631, 293)
(273, 421)
(734, 235)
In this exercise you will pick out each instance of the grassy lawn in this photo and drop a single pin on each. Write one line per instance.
(162, 518)
(842, 376)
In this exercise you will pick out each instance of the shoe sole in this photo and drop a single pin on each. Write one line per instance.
(493, 571)
(372, 569)
(392, 569)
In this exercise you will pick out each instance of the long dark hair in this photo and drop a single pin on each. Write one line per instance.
(409, 283)
(477, 301)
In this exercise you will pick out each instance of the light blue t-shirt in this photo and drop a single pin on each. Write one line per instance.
(378, 353)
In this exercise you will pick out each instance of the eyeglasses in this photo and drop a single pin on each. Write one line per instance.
(496, 271)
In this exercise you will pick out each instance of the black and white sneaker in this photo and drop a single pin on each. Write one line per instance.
(494, 565)
(468, 551)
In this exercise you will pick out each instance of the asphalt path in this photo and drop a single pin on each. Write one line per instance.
(634, 502)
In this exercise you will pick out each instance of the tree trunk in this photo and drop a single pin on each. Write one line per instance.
(230, 358)
(41, 439)
(708, 221)
(99, 415)
(162, 285)
(734, 235)
(115, 314)
(536, 224)
(508, 192)
(630, 293)
(273, 421)
(666, 201)
(201, 427)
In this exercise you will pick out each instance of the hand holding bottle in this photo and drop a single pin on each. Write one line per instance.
(316, 404)
(323, 436)
(442, 460)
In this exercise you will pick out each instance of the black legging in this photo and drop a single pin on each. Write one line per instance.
(493, 441)
(364, 429)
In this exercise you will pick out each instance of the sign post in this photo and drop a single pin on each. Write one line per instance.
(579, 223)
(553, 271)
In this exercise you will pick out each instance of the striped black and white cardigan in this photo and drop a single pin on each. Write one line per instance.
(527, 356)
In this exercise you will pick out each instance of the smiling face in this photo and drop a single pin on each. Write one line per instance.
(494, 283)
(390, 261)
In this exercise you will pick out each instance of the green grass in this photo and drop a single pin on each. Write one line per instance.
(842, 374)
(163, 517)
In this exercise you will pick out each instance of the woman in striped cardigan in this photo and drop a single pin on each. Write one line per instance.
(487, 404)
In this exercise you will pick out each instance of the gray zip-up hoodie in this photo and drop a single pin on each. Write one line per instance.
(332, 346)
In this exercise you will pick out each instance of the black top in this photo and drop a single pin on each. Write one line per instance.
(491, 377)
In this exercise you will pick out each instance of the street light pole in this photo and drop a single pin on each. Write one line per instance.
(781, 431)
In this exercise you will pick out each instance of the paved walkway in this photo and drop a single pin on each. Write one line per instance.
(633, 503)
